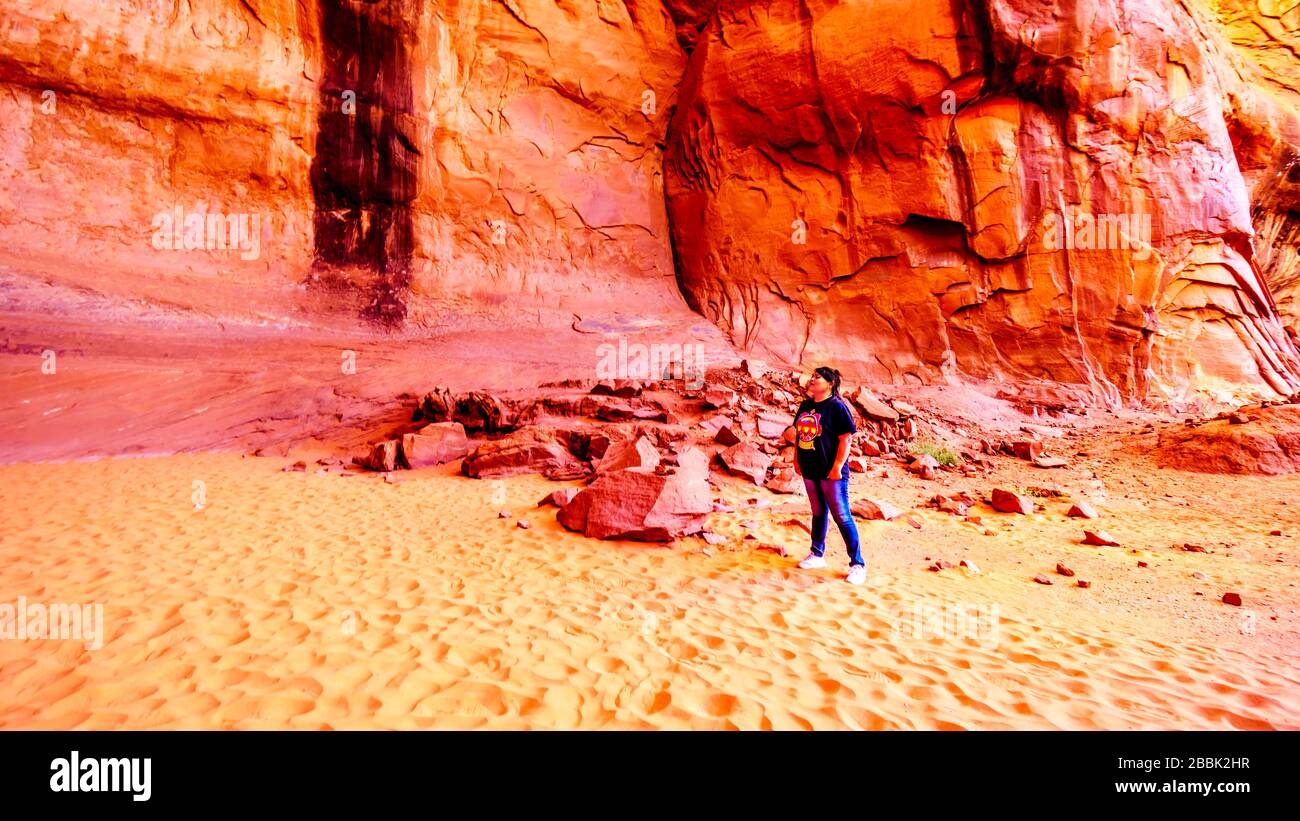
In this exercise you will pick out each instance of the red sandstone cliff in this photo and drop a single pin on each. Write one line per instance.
(1266, 37)
(875, 183)
(883, 184)
(497, 156)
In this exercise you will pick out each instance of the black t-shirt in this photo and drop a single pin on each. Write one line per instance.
(818, 427)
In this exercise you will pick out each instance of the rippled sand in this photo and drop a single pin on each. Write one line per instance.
(323, 601)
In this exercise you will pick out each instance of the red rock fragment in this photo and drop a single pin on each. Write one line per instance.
(1100, 538)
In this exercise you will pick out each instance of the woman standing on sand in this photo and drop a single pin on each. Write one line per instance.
(823, 428)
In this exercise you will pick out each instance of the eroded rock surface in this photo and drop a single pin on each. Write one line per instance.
(1267, 443)
(888, 185)
(398, 155)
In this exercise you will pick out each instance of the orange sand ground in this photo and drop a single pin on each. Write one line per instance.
(238, 615)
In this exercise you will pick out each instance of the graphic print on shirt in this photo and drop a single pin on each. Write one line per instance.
(807, 428)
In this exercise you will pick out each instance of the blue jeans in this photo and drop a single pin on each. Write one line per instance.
(833, 494)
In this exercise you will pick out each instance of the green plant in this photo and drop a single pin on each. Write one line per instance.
(942, 455)
(1043, 492)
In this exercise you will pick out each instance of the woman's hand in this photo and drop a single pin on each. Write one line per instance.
(841, 456)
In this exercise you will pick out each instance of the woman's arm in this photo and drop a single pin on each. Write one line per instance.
(841, 455)
(791, 435)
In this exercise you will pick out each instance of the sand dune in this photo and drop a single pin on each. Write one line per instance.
(322, 601)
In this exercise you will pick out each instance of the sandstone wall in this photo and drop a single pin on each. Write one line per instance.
(490, 152)
(1265, 34)
(543, 182)
(112, 113)
(870, 183)
(881, 183)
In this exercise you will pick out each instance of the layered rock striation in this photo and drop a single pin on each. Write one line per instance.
(1004, 189)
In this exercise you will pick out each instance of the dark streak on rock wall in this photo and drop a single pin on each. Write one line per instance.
(365, 169)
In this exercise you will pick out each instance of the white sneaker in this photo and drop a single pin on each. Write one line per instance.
(812, 561)
(857, 574)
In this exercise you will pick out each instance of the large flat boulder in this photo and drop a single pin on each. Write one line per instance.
(773, 424)
(872, 407)
(785, 480)
(640, 505)
(434, 444)
(1269, 444)
(532, 450)
(744, 459)
(477, 411)
(629, 453)
(382, 456)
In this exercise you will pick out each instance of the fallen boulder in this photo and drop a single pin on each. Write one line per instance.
(719, 397)
(640, 505)
(1082, 510)
(746, 460)
(772, 425)
(589, 445)
(1027, 450)
(1100, 538)
(532, 450)
(619, 410)
(382, 456)
(714, 424)
(693, 462)
(947, 504)
(623, 388)
(921, 461)
(1007, 502)
(435, 444)
(874, 510)
(559, 498)
(1270, 445)
(437, 406)
(480, 411)
(629, 453)
(785, 480)
(727, 435)
(872, 407)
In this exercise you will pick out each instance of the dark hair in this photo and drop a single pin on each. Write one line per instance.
(832, 376)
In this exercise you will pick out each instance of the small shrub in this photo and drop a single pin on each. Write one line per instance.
(1043, 492)
(942, 455)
